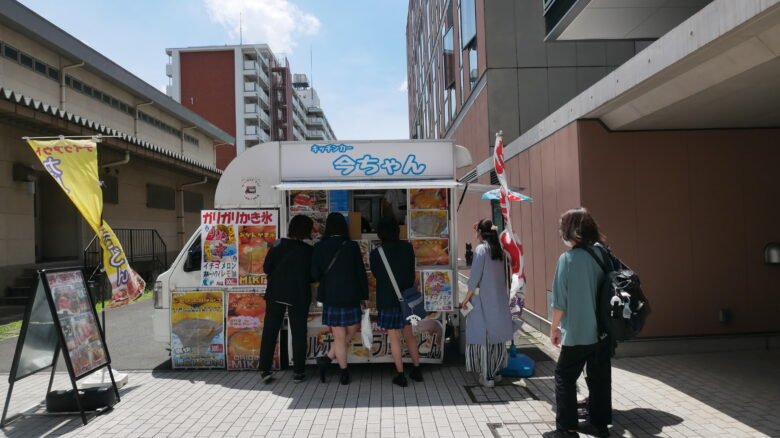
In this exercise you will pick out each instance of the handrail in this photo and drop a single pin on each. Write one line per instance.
(140, 245)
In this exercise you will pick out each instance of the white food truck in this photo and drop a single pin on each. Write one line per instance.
(209, 305)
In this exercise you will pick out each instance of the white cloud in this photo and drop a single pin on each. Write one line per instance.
(272, 22)
(403, 86)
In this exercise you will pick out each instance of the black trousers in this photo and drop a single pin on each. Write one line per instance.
(274, 316)
(596, 359)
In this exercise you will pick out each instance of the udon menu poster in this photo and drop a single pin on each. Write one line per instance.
(234, 244)
(197, 330)
(244, 323)
(76, 317)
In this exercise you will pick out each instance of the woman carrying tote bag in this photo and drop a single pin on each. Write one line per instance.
(489, 323)
(338, 266)
(400, 257)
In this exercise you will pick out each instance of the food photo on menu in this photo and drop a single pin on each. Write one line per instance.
(309, 200)
(255, 242)
(428, 199)
(428, 252)
(429, 223)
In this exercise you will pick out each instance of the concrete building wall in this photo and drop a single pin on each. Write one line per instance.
(530, 78)
(691, 211)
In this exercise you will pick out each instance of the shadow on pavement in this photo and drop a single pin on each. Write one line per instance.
(744, 385)
(662, 419)
(51, 425)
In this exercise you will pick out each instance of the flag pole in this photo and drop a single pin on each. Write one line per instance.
(96, 138)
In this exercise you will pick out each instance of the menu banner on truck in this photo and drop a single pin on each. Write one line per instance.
(197, 330)
(234, 244)
(244, 323)
(429, 333)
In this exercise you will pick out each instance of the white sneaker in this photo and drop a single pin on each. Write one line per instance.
(486, 383)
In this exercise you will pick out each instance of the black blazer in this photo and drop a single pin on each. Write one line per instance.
(346, 284)
(400, 255)
(288, 266)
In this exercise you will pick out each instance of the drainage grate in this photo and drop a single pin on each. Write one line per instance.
(499, 394)
(532, 428)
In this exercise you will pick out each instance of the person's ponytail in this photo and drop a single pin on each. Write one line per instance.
(489, 233)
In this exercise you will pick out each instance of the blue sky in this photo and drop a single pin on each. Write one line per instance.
(358, 46)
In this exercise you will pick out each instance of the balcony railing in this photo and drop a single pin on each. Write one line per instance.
(250, 108)
(144, 248)
(250, 87)
(251, 130)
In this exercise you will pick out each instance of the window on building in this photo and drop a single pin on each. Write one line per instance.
(110, 189)
(160, 197)
(473, 65)
(54, 73)
(90, 92)
(40, 67)
(10, 53)
(26, 60)
(193, 202)
(468, 22)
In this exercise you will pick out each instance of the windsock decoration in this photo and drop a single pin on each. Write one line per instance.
(513, 248)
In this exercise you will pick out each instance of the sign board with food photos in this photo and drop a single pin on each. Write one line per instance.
(197, 330)
(77, 320)
(60, 317)
(244, 324)
(234, 246)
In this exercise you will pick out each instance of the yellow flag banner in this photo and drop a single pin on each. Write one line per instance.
(73, 164)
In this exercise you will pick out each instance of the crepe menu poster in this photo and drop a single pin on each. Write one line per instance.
(234, 244)
(197, 330)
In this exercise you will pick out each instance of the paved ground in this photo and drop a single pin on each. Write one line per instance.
(702, 395)
(128, 335)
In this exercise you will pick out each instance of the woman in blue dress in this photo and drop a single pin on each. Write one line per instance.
(489, 324)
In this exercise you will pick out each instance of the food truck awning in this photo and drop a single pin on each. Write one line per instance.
(369, 185)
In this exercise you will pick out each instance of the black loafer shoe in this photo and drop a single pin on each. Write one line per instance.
(589, 429)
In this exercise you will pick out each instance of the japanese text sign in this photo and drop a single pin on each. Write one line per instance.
(367, 160)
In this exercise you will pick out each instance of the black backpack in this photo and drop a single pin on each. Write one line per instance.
(621, 306)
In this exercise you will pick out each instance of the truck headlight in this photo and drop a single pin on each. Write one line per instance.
(157, 293)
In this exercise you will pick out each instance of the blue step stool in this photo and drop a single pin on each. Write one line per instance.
(518, 365)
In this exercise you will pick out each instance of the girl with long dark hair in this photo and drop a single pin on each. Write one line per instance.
(400, 257)
(338, 266)
(489, 324)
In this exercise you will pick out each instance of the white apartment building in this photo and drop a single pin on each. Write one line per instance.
(249, 92)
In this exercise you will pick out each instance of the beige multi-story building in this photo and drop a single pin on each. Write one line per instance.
(156, 160)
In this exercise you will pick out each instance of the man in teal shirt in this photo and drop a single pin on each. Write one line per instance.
(574, 329)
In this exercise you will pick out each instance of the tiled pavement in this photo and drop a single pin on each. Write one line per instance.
(703, 395)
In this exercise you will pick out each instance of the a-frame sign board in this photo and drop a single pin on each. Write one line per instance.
(60, 316)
